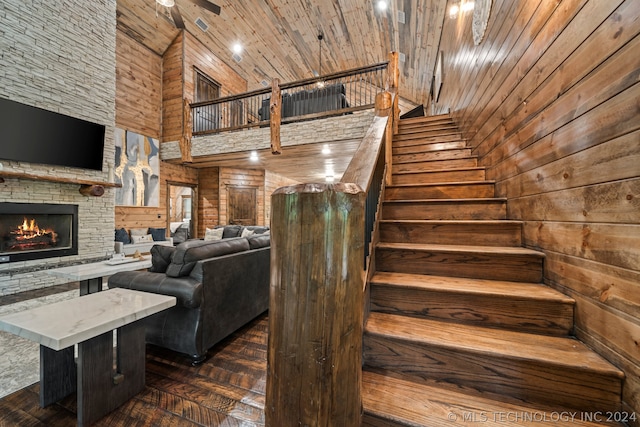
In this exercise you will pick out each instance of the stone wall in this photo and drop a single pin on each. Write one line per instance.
(350, 126)
(62, 62)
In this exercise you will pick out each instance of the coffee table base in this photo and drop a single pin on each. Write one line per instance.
(103, 380)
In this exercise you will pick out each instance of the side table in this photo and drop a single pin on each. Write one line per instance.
(89, 322)
(90, 275)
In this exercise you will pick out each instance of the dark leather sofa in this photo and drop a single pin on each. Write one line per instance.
(219, 286)
(327, 98)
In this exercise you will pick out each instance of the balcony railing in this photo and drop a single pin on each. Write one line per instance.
(332, 94)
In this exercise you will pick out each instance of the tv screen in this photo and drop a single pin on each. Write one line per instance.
(31, 134)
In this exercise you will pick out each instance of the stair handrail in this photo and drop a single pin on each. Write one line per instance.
(359, 86)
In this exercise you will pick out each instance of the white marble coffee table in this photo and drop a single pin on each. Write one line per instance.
(89, 321)
(90, 275)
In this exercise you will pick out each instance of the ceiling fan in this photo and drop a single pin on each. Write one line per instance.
(175, 12)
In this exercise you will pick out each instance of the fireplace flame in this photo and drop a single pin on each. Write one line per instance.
(30, 230)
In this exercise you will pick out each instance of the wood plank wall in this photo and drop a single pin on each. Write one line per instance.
(208, 199)
(179, 63)
(139, 85)
(549, 101)
(273, 181)
(138, 106)
(172, 90)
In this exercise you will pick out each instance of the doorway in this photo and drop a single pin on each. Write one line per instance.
(242, 209)
(181, 201)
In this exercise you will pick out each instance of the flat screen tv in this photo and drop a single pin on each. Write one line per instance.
(34, 135)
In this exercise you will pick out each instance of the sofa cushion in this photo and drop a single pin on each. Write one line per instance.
(192, 251)
(161, 258)
(146, 238)
(259, 241)
(246, 232)
(257, 229)
(180, 235)
(158, 234)
(232, 231)
(213, 234)
(138, 231)
(122, 236)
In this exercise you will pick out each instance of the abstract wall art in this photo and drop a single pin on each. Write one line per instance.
(137, 168)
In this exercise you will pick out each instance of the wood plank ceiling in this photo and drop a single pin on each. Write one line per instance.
(280, 40)
(280, 37)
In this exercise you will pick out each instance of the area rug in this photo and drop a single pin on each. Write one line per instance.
(20, 358)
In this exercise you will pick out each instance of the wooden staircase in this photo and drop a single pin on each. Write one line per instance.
(461, 327)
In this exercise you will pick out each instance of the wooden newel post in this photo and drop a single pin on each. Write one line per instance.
(315, 312)
(275, 110)
(383, 106)
(394, 72)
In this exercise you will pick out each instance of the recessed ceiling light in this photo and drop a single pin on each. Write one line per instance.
(167, 3)
(382, 5)
(237, 48)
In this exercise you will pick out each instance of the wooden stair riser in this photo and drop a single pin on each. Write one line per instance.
(507, 312)
(495, 233)
(426, 147)
(422, 122)
(455, 175)
(429, 140)
(443, 191)
(437, 404)
(464, 163)
(457, 153)
(403, 136)
(445, 209)
(527, 380)
(493, 266)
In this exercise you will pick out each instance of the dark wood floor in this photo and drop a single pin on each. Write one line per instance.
(226, 390)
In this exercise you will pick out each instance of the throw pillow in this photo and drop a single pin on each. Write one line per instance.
(213, 234)
(158, 234)
(161, 258)
(123, 236)
(138, 231)
(246, 233)
(231, 231)
(142, 239)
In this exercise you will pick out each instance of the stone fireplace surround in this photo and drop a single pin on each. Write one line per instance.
(52, 62)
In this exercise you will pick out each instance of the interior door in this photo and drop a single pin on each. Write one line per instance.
(242, 208)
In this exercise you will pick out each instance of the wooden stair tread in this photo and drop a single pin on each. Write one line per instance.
(411, 404)
(440, 170)
(438, 160)
(425, 119)
(476, 200)
(499, 288)
(437, 184)
(462, 248)
(454, 221)
(492, 343)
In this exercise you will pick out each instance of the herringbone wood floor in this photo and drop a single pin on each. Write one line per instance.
(226, 390)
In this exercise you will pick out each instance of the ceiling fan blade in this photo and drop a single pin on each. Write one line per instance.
(177, 17)
(211, 7)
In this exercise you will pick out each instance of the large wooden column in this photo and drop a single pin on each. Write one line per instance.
(315, 311)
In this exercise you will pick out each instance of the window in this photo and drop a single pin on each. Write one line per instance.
(206, 88)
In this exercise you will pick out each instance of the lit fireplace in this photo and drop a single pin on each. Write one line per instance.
(29, 236)
(37, 230)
